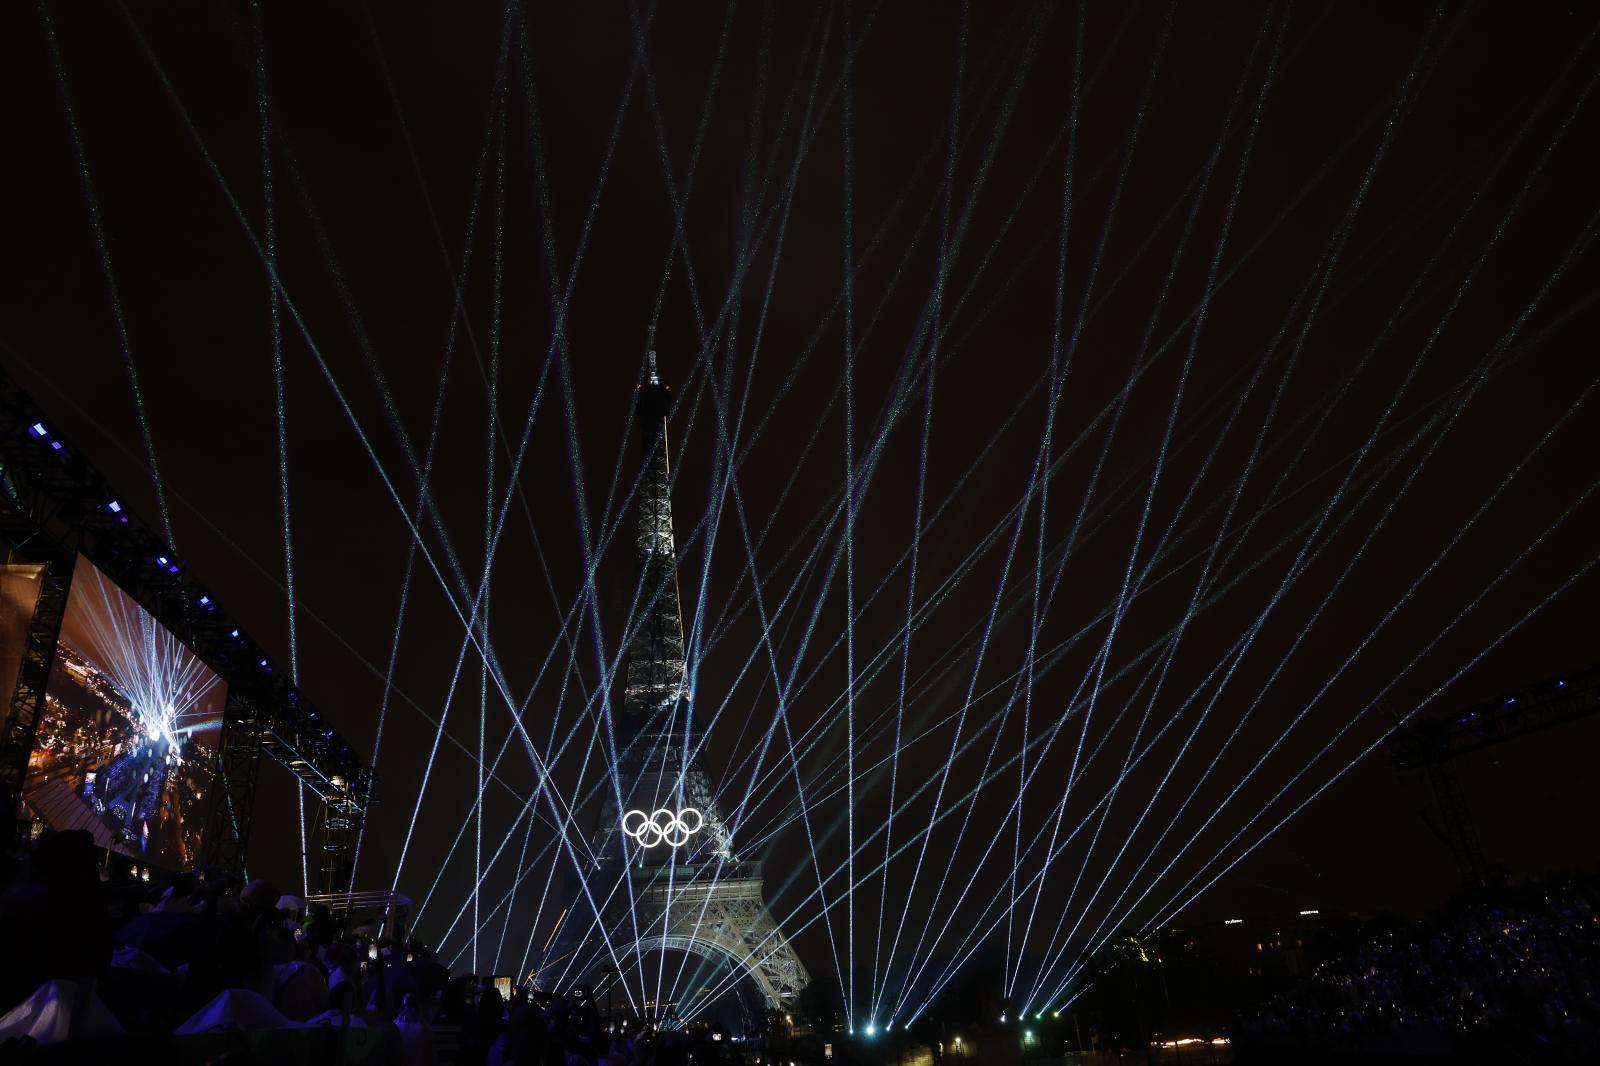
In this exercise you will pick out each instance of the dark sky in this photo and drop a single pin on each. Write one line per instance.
(1399, 202)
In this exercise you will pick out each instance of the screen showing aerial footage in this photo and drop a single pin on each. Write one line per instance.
(127, 740)
(19, 593)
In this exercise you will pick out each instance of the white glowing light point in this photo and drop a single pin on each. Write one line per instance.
(663, 826)
(165, 684)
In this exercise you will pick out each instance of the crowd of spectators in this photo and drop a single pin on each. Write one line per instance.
(1504, 967)
(104, 956)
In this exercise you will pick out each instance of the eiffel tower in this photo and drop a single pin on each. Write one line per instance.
(662, 846)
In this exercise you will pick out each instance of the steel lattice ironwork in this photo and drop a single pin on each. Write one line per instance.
(699, 897)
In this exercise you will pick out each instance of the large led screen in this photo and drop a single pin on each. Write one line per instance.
(127, 741)
(19, 593)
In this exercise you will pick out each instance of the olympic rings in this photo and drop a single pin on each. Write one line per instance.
(663, 826)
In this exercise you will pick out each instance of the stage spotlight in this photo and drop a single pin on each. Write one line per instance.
(38, 431)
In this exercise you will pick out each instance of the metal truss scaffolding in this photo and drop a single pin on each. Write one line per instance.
(54, 505)
(1431, 745)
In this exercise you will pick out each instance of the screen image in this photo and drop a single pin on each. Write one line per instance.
(19, 593)
(127, 740)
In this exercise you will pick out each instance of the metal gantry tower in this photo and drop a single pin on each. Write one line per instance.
(662, 846)
(1432, 744)
(54, 507)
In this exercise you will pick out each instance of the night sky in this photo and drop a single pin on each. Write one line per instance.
(1315, 286)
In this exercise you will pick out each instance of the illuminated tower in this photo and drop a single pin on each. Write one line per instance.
(665, 849)
(658, 766)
